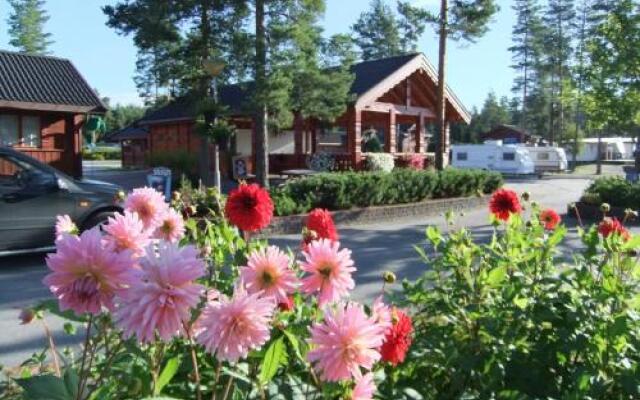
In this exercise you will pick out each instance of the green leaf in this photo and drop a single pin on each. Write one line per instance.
(71, 381)
(52, 306)
(293, 340)
(70, 329)
(45, 387)
(273, 359)
(169, 371)
(497, 275)
(434, 235)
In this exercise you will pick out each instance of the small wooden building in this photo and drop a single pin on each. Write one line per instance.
(133, 141)
(395, 99)
(44, 103)
(510, 134)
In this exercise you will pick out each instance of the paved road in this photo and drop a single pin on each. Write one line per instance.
(376, 248)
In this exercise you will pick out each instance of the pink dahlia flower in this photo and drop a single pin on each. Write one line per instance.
(329, 270)
(346, 341)
(85, 275)
(126, 232)
(64, 224)
(230, 328)
(149, 204)
(364, 389)
(170, 227)
(162, 299)
(268, 271)
(381, 314)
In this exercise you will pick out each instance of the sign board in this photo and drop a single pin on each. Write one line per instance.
(240, 167)
(160, 180)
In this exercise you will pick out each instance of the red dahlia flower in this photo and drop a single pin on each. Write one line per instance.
(504, 203)
(249, 207)
(610, 226)
(398, 339)
(319, 225)
(550, 219)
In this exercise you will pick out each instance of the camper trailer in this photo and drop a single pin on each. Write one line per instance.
(494, 156)
(548, 159)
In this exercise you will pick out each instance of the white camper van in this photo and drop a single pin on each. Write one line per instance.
(547, 159)
(494, 156)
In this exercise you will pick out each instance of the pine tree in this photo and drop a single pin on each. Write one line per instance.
(526, 52)
(560, 20)
(26, 26)
(461, 20)
(376, 32)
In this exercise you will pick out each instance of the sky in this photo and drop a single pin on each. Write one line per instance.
(107, 60)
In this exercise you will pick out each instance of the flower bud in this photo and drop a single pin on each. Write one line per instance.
(389, 277)
(605, 207)
(192, 210)
(206, 250)
(526, 196)
(534, 204)
(176, 195)
(121, 195)
(26, 316)
(630, 214)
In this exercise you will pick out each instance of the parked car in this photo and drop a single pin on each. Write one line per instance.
(33, 194)
(493, 156)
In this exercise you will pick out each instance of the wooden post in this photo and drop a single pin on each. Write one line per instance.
(420, 148)
(391, 142)
(253, 145)
(298, 131)
(314, 138)
(356, 138)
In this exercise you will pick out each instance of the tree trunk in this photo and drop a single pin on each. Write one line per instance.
(442, 143)
(205, 156)
(262, 144)
(599, 154)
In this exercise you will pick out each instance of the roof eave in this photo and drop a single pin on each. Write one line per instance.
(68, 108)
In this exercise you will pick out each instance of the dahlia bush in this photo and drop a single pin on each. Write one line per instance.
(519, 312)
(183, 308)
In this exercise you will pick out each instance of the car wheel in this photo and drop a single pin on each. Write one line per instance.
(98, 219)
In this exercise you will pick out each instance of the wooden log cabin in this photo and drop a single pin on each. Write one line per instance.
(395, 99)
(44, 103)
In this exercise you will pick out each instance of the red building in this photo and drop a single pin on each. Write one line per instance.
(44, 103)
(395, 99)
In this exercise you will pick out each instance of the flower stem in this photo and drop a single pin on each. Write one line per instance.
(228, 388)
(194, 361)
(215, 382)
(52, 347)
(84, 374)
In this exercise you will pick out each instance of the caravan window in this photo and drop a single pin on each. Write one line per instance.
(543, 156)
(509, 156)
(461, 156)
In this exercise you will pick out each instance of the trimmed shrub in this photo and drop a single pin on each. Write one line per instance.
(613, 190)
(340, 191)
(102, 153)
(180, 163)
(380, 162)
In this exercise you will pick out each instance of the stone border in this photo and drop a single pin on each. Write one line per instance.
(292, 224)
(591, 212)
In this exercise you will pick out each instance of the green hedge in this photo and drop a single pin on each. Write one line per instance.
(340, 191)
(613, 190)
(102, 153)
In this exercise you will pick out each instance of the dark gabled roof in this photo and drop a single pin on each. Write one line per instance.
(369, 73)
(44, 83)
(129, 132)
(234, 97)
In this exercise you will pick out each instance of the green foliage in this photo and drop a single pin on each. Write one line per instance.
(102, 153)
(180, 162)
(26, 26)
(615, 191)
(514, 317)
(380, 33)
(339, 191)
(120, 116)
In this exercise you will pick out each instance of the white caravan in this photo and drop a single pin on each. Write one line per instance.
(494, 156)
(547, 159)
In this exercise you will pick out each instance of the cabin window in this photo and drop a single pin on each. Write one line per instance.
(508, 156)
(333, 139)
(543, 156)
(461, 156)
(20, 130)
